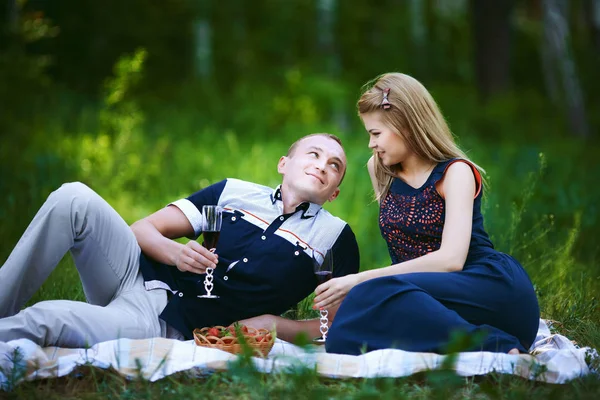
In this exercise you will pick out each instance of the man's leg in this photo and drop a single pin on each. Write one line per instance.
(106, 255)
(73, 218)
(133, 315)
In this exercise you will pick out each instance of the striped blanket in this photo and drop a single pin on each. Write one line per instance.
(553, 358)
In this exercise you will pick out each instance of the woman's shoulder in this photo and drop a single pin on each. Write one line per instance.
(458, 170)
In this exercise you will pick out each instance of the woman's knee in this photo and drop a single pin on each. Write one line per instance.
(339, 341)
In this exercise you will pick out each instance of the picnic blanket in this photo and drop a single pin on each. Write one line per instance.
(553, 358)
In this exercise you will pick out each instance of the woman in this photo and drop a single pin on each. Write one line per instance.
(445, 276)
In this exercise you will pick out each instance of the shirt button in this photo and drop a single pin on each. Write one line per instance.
(281, 218)
(180, 294)
(233, 218)
(297, 253)
(245, 260)
(263, 237)
(225, 278)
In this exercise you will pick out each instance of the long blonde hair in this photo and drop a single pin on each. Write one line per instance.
(414, 115)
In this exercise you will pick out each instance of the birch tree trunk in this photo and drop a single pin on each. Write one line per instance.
(203, 53)
(492, 37)
(595, 17)
(418, 33)
(559, 66)
(203, 43)
(13, 14)
(325, 37)
(326, 13)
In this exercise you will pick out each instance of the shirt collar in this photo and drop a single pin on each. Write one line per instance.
(276, 195)
(308, 209)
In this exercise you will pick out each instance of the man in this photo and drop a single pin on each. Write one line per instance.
(140, 283)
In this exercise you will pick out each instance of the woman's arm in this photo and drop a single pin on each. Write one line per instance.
(154, 234)
(458, 188)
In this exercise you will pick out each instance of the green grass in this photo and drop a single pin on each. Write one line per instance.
(92, 383)
(541, 206)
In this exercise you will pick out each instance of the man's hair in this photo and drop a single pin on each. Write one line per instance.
(292, 148)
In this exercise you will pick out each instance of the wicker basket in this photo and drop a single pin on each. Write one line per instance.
(260, 340)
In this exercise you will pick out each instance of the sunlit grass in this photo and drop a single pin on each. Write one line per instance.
(536, 208)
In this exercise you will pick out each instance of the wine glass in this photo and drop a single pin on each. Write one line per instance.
(211, 229)
(323, 268)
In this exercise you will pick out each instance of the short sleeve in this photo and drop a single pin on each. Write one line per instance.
(192, 205)
(476, 173)
(346, 257)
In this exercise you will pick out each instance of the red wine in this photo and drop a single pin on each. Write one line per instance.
(210, 239)
(323, 276)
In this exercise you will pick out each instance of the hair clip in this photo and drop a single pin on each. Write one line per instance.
(385, 103)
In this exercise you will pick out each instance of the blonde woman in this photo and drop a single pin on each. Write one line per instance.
(445, 275)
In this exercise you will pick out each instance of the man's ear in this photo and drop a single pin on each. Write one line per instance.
(281, 164)
(334, 195)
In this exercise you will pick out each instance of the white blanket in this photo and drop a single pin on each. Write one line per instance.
(553, 358)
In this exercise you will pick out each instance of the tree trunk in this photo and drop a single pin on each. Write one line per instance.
(203, 49)
(492, 36)
(595, 19)
(418, 33)
(203, 53)
(559, 66)
(13, 14)
(326, 13)
(325, 37)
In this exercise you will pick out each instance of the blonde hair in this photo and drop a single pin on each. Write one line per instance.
(414, 115)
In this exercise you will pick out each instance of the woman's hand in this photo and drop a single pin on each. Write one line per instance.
(195, 258)
(331, 293)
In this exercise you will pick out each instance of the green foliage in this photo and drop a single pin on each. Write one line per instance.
(15, 371)
(140, 155)
(24, 75)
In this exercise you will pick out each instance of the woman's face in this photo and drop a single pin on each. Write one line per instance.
(383, 140)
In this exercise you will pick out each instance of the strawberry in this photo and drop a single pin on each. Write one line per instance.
(213, 332)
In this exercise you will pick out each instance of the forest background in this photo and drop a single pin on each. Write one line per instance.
(148, 102)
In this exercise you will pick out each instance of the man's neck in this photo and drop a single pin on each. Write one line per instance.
(290, 200)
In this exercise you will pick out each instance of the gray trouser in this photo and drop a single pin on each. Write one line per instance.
(74, 218)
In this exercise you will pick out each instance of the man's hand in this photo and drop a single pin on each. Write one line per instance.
(195, 258)
(332, 292)
(265, 321)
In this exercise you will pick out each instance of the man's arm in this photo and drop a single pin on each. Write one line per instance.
(155, 233)
(288, 329)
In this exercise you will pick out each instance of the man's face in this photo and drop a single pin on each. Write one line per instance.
(314, 170)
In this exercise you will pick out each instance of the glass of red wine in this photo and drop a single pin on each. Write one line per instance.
(211, 229)
(323, 268)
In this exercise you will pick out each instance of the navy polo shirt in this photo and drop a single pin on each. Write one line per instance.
(265, 257)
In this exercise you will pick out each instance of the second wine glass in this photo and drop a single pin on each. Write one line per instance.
(211, 230)
(323, 268)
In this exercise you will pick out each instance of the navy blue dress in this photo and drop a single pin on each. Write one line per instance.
(491, 297)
